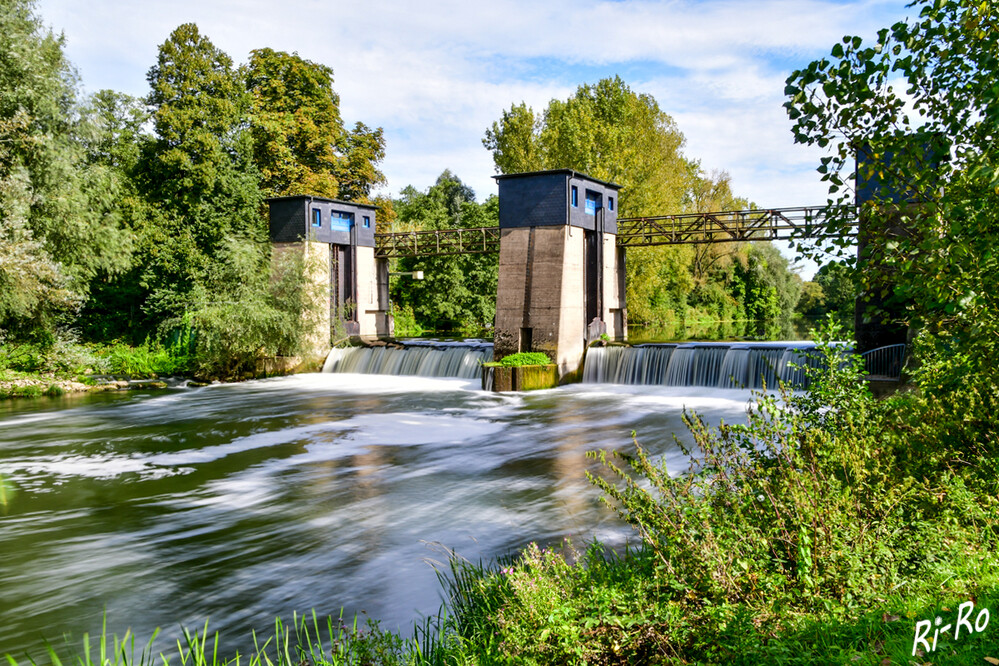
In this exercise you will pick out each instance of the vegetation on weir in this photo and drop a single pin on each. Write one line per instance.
(521, 359)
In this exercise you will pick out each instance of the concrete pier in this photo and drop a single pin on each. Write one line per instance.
(561, 276)
(336, 243)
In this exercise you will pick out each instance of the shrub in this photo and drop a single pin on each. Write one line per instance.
(521, 359)
(823, 502)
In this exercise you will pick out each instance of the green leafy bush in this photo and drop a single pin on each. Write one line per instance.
(824, 503)
(521, 359)
(150, 359)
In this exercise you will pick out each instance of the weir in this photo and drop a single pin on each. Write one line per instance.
(721, 365)
(414, 358)
(750, 365)
(561, 278)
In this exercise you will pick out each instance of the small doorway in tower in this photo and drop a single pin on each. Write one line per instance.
(343, 300)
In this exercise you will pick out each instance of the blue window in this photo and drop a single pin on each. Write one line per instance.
(575, 197)
(317, 217)
(367, 222)
(592, 202)
(610, 203)
(341, 221)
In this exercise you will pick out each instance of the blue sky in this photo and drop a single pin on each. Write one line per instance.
(435, 74)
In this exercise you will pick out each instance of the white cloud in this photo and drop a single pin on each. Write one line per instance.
(436, 74)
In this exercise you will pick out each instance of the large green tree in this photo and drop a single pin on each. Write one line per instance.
(457, 292)
(59, 228)
(923, 88)
(198, 173)
(300, 143)
(113, 133)
(605, 130)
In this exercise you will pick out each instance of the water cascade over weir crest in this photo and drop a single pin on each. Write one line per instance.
(418, 358)
(722, 365)
(719, 365)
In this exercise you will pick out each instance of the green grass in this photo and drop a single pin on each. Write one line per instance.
(307, 640)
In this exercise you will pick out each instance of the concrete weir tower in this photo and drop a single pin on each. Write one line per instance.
(337, 241)
(561, 276)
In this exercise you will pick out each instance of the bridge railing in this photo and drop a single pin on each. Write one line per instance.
(687, 229)
(885, 362)
(441, 242)
(731, 226)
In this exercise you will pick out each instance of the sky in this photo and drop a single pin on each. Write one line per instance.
(435, 74)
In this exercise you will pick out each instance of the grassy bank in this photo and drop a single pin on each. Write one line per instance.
(55, 368)
(61, 366)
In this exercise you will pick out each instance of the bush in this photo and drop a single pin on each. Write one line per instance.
(823, 504)
(150, 359)
(521, 359)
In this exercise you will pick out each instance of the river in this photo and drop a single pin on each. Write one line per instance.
(236, 503)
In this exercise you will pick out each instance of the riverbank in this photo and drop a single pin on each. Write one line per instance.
(33, 385)
(28, 370)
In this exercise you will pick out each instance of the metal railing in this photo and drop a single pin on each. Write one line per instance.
(884, 362)
(742, 225)
(686, 229)
(441, 242)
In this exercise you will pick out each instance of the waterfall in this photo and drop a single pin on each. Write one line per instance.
(422, 358)
(628, 365)
(723, 365)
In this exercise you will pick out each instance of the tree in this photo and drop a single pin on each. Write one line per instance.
(606, 131)
(771, 290)
(59, 233)
(457, 292)
(712, 264)
(300, 144)
(838, 287)
(923, 89)
(198, 173)
(112, 133)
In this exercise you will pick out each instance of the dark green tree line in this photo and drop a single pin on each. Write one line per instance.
(610, 132)
(457, 292)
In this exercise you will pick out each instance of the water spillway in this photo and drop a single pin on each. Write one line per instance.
(414, 358)
(709, 364)
(720, 365)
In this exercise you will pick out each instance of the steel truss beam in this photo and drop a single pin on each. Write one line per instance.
(686, 229)
(731, 226)
(443, 242)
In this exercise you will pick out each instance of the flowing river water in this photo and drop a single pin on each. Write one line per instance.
(238, 503)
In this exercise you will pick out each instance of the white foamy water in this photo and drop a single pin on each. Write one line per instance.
(240, 502)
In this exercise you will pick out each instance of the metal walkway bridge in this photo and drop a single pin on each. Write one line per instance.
(686, 229)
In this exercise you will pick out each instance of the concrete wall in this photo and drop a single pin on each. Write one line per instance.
(615, 313)
(541, 290)
(372, 294)
(315, 260)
